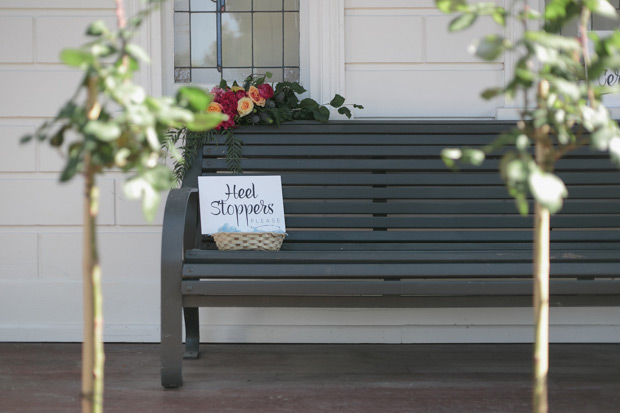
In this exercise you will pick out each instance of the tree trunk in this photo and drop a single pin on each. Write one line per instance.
(92, 347)
(541, 299)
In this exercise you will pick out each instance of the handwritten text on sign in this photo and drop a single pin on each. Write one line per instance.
(241, 204)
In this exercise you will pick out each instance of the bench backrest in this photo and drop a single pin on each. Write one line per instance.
(355, 185)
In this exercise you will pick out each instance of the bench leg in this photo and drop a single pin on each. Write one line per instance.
(171, 342)
(192, 333)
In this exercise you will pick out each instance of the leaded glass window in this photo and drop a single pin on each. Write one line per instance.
(231, 39)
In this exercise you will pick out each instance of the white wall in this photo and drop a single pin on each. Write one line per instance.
(401, 61)
(40, 220)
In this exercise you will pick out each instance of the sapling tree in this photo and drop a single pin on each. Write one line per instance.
(114, 125)
(556, 76)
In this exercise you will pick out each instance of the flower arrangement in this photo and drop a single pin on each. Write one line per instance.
(255, 102)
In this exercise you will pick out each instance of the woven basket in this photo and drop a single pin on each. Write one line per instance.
(261, 241)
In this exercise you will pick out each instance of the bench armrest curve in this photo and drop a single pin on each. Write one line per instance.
(180, 229)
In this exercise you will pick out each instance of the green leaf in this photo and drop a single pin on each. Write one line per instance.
(104, 131)
(614, 150)
(492, 92)
(489, 47)
(137, 52)
(137, 188)
(76, 57)
(547, 189)
(473, 156)
(26, 138)
(450, 156)
(345, 111)
(337, 101)
(358, 106)
(97, 28)
(308, 104)
(321, 114)
(462, 22)
(499, 16)
(205, 121)
(450, 6)
(194, 98)
(603, 8)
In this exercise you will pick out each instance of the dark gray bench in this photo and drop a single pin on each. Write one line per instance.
(375, 219)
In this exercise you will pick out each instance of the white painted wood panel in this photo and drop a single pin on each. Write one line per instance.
(18, 256)
(23, 157)
(45, 201)
(401, 62)
(385, 38)
(421, 93)
(16, 35)
(55, 33)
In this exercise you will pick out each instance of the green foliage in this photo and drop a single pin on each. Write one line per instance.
(271, 105)
(121, 127)
(567, 112)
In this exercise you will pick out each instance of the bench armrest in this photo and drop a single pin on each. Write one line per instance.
(179, 234)
(180, 228)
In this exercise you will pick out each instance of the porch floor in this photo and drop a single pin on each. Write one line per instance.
(316, 378)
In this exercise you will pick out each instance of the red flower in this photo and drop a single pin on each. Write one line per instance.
(266, 91)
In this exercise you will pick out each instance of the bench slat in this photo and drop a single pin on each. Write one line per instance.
(419, 206)
(374, 288)
(398, 270)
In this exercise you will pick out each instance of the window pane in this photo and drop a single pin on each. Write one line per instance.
(291, 75)
(276, 73)
(238, 5)
(210, 76)
(261, 5)
(268, 39)
(236, 74)
(237, 39)
(181, 5)
(181, 39)
(291, 4)
(291, 39)
(203, 5)
(204, 44)
(182, 76)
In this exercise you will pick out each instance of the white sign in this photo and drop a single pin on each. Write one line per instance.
(240, 203)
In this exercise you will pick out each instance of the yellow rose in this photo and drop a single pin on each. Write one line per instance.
(245, 106)
(237, 88)
(214, 107)
(254, 94)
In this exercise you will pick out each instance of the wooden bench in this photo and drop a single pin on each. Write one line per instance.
(375, 219)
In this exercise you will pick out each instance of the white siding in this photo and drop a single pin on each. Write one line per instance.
(40, 219)
(401, 62)
(396, 55)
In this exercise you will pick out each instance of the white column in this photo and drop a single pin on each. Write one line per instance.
(322, 48)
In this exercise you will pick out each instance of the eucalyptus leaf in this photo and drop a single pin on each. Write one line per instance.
(450, 6)
(76, 57)
(548, 189)
(603, 8)
(490, 47)
(194, 98)
(104, 131)
(462, 22)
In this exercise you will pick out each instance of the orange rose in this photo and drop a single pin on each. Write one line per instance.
(244, 106)
(214, 107)
(254, 94)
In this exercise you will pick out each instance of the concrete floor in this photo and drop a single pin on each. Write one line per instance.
(316, 378)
